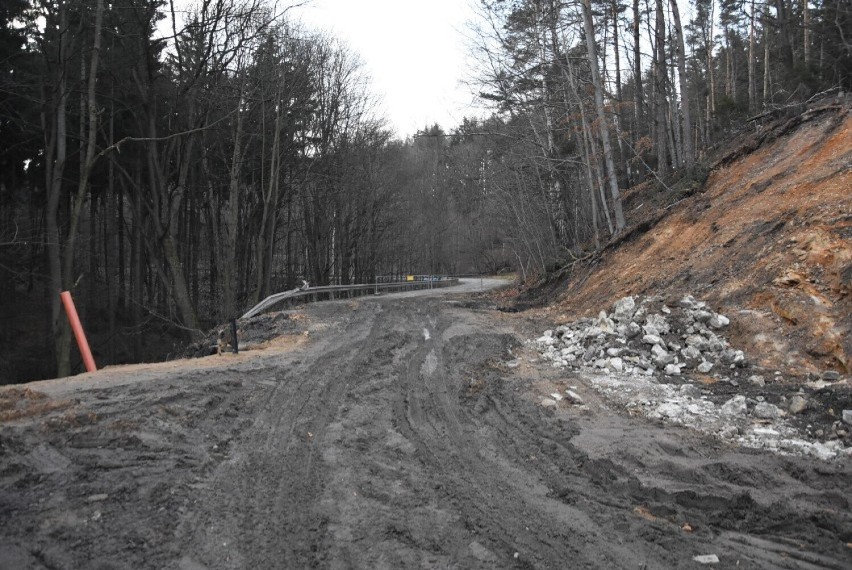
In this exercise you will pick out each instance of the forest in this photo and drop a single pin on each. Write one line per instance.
(171, 167)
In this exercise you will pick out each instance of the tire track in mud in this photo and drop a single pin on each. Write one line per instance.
(399, 441)
(507, 463)
(262, 511)
(397, 438)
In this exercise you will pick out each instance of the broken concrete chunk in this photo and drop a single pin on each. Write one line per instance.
(624, 309)
(766, 411)
(651, 330)
(757, 380)
(660, 356)
(616, 364)
(697, 341)
(688, 302)
(706, 559)
(548, 403)
(652, 339)
(702, 316)
(718, 321)
(715, 344)
(691, 353)
(633, 330)
(798, 404)
(736, 406)
(847, 417)
(658, 322)
(705, 367)
(546, 340)
(736, 357)
(573, 397)
(672, 370)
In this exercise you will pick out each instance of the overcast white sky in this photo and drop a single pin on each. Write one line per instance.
(414, 50)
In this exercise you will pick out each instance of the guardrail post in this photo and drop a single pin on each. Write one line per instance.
(234, 340)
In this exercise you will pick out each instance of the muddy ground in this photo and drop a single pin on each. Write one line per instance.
(394, 432)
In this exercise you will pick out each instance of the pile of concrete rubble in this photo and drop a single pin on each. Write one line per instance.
(635, 340)
(642, 355)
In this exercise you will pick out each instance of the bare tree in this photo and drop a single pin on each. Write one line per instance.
(688, 147)
(602, 122)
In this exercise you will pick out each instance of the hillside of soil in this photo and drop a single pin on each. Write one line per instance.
(765, 240)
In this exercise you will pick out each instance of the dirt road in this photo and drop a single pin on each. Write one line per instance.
(398, 433)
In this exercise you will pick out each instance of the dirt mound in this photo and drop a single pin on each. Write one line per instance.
(766, 241)
(251, 333)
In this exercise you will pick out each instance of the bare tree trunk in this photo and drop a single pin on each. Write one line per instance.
(229, 265)
(554, 186)
(592, 200)
(766, 94)
(617, 114)
(89, 162)
(55, 172)
(136, 277)
(806, 39)
(588, 153)
(752, 88)
(785, 32)
(660, 102)
(688, 146)
(708, 42)
(728, 64)
(602, 123)
(270, 199)
(637, 71)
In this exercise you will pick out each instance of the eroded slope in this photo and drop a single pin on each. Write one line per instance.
(767, 241)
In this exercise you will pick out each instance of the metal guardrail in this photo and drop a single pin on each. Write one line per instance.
(332, 289)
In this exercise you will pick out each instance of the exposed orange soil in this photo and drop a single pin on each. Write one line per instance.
(767, 242)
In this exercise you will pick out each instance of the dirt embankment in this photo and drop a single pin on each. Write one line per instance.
(766, 241)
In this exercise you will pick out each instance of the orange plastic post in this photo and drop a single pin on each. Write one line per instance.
(71, 310)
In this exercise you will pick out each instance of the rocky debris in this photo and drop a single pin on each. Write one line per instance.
(636, 339)
(737, 420)
(736, 406)
(757, 380)
(798, 404)
(766, 411)
(575, 398)
(706, 559)
(642, 357)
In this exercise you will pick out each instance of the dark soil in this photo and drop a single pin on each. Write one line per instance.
(397, 436)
